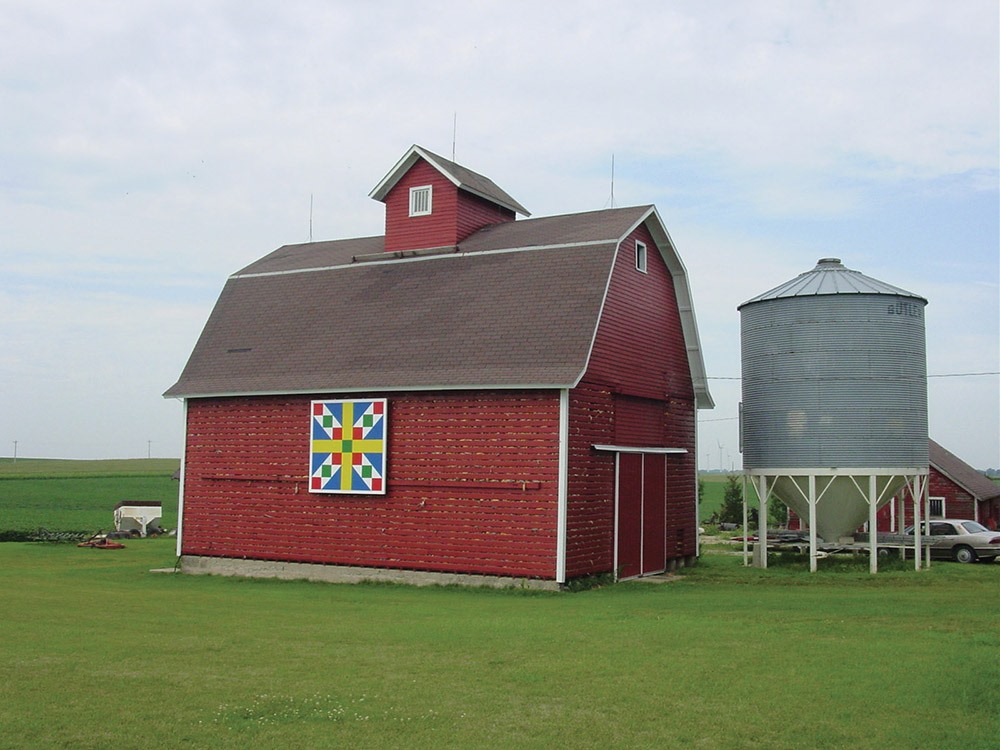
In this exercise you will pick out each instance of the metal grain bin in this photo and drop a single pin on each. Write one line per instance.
(834, 377)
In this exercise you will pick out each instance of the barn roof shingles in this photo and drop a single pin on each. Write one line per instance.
(516, 304)
(309, 318)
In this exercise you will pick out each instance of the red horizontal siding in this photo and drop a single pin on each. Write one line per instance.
(437, 229)
(455, 214)
(474, 213)
(638, 392)
(472, 485)
(639, 348)
(591, 482)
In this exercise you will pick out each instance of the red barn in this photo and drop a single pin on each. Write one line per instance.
(954, 489)
(467, 395)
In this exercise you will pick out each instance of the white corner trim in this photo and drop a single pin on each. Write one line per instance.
(180, 488)
(563, 502)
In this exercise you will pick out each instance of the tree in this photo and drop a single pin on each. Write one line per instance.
(777, 513)
(732, 503)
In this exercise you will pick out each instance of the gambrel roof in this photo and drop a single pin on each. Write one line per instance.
(515, 305)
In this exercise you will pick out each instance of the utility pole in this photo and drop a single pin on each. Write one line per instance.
(15, 451)
(149, 449)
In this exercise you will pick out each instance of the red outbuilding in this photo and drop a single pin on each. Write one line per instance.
(465, 396)
(954, 490)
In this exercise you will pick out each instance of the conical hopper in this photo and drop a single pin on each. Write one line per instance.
(842, 501)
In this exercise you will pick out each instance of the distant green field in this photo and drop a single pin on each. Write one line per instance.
(61, 495)
(52, 468)
(714, 489)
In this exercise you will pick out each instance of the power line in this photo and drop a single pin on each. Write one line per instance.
(942, 375)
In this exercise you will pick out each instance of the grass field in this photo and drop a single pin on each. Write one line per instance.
(63, 495)
(713, 490)
(98, 652)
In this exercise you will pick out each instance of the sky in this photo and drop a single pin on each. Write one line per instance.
(150, 149)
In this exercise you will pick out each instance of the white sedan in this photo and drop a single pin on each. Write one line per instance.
(960, 540)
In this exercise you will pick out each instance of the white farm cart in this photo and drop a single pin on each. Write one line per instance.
(140, 516)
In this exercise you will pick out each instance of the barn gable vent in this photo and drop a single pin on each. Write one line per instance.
(420, 200)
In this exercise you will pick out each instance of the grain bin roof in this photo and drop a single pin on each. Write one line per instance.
(830, 276)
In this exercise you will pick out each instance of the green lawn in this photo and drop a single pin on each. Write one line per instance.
(98, 652)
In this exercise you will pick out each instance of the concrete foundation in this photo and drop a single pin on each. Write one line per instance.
(227, 566)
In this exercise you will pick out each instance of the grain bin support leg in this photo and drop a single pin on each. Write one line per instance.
(925, 499)
(812, 523)
(762, 528)
(872, 523)
(746, 550)
(900, 521)
(917, 492)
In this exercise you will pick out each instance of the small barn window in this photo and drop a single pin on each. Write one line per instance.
(420, 200)
(640, 256)
(936, 507)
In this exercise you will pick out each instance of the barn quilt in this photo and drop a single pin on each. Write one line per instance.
(347, 446)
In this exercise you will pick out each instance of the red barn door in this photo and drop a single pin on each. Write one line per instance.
(641, 514)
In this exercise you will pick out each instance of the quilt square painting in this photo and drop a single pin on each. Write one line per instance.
(347, 446)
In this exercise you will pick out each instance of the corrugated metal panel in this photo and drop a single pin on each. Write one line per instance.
(834, 381)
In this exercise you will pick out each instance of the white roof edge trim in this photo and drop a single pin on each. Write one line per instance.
(379, 191)
(401, 167)
(430, 160)
(381, 388)
(600, 316)
(523, 211)
(518, 209)
(685, 306)
(441, 256)
(635, 449)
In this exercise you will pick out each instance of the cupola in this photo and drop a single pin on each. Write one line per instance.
(432, 202)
